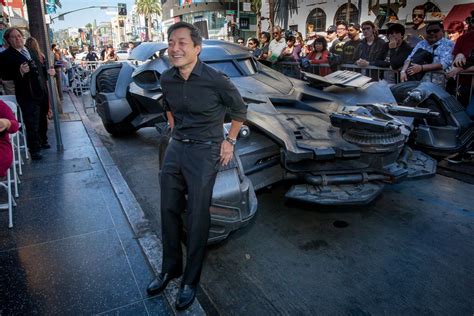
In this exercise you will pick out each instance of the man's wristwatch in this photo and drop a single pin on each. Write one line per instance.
(231, 140)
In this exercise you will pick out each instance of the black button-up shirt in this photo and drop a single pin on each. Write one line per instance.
(199, 104)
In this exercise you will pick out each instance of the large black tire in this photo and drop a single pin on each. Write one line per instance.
(107, 79)
(120, 129)
(105, 82)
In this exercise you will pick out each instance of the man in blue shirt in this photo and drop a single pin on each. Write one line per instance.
(440, 47)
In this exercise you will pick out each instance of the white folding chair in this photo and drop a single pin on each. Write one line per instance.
(7, 185)
(22, 132)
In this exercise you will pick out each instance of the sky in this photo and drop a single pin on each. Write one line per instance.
(81, 18)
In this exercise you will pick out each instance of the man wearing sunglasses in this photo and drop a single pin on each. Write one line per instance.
(441, 49)
(277, 45)
(416, 33)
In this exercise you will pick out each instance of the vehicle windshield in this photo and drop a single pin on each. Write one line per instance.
(247, 66)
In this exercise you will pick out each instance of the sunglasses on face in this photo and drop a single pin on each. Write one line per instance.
(276, 33)
(434, 31)
(421, 16)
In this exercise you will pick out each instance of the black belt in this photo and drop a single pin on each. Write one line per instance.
(194, 141)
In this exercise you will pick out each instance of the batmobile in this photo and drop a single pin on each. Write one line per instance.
(337, 145)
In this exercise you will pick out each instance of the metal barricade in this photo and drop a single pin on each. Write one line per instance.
(288, 68)
(376, 73)
(319, 69)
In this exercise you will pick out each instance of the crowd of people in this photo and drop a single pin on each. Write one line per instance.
(24, 73)
(420, 52)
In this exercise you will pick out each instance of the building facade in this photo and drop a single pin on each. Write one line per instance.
(318, 15)
(226, 20)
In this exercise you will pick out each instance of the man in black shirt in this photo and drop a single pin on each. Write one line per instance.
(91, 55)
(338, 43)
(351, 47)
(196, 98)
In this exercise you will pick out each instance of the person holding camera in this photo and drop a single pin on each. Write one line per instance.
(429, 57)
(17, 65)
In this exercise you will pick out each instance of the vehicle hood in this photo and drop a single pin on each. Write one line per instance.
(264, 83)
(146, 50)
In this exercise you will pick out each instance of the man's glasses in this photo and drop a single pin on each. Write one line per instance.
(421, 16)
(240, 42)
(433, 31)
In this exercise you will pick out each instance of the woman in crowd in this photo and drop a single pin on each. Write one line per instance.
(110, 55)
(264, 45)
(45, 110)
(291, 51)
(319, 55)
(58, 67)
(253, 44)
(8, 125)
(455, 30)
(299, 39)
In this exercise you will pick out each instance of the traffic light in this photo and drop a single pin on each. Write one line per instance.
(122, 9)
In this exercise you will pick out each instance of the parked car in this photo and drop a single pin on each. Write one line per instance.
(122, 54)
(336, 146)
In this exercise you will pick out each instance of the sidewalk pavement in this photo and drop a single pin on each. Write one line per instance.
(72, 249)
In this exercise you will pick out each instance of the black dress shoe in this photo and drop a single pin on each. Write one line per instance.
(186, 296)
(45, 146)
(159, 284)
(36, 156)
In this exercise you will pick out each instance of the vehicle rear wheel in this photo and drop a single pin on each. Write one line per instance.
(107, 79)
(120, 129)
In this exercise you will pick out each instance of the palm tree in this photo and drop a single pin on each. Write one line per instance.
(256, 7)
(148, 8)
(283, 9)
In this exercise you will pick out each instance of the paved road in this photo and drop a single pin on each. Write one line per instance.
(409, 252)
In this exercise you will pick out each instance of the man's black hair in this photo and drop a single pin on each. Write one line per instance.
(435, 23)
(396, 28)
(255, 40)
(342, 22)
(419, 8)
(195, 34)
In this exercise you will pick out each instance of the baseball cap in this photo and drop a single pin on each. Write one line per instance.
(355, 25)
(331, 28)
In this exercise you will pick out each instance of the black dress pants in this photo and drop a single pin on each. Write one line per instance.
(191, 169)
(31, 110)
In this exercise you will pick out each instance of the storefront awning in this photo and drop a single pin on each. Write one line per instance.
(459, 12)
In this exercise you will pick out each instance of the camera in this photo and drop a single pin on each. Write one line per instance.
(31, 64)
(33, 68)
